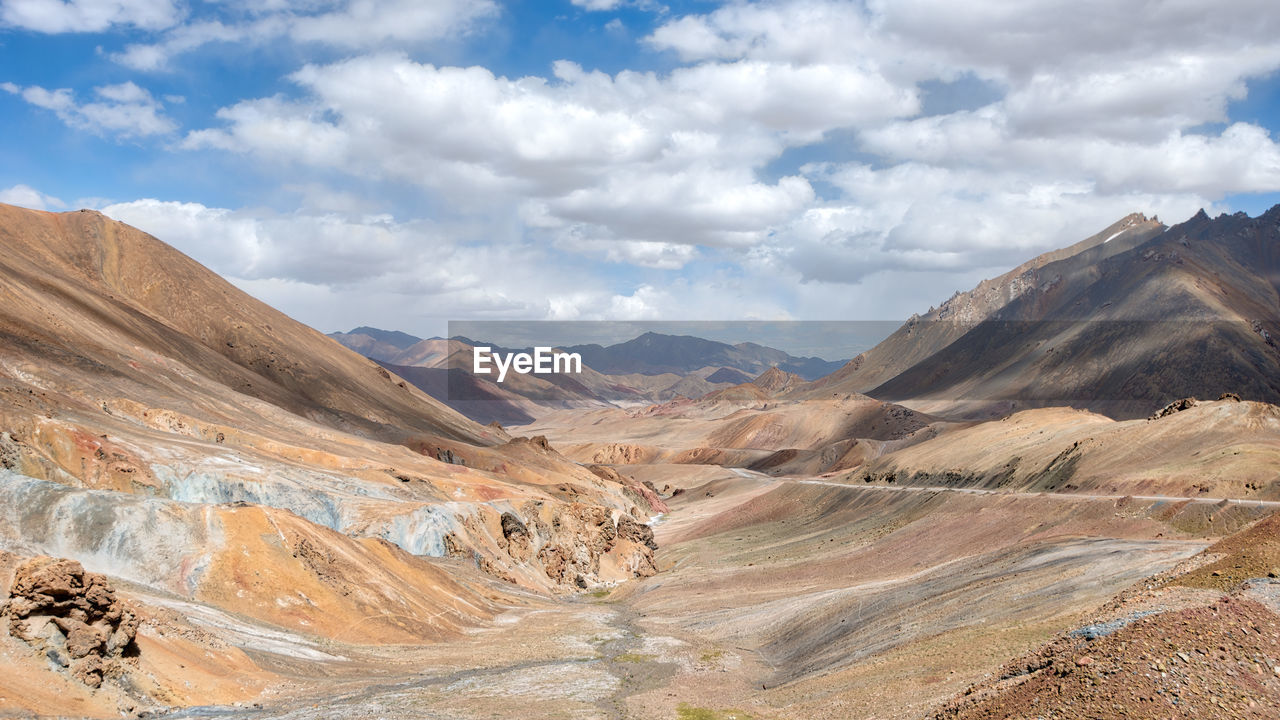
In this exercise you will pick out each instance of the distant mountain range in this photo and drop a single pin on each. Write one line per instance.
(393, 338)
(654, 353)
(1123, 322)
(651, 368)
(649, 354)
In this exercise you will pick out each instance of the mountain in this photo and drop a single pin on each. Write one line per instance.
(385, 345)
(649, 354)
(652, 368)
(394, 338)
(110, 310)
(729, 375)
(654, 353)
(923, 335)
(1122, 323)
(478, 399)
(764, 424)
(163, 427)
(443, 369)
(775, 381)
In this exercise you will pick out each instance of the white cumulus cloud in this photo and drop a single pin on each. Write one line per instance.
(819, 157)
(123, 110)
(351, 24)
(632, 157)
(29, 197)
(77, 16)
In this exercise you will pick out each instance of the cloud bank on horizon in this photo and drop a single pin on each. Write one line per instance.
(405, 162)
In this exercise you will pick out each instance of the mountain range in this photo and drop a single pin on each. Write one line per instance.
(1122, 322)
(648, 354)
(207, 503)
(650, 368)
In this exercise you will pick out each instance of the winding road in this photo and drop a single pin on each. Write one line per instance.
(984, 491)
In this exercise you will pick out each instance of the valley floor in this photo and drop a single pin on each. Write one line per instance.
(784, 599)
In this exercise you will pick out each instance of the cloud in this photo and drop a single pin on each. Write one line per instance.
(354, 24)
(1100, 109)
(29, 197)
(1241, 158)
(633, 157)
(365, 23)
(1037, 36)
(815, 157)
(335, 271)
(311, 248)
(185, 38)
(123, 111)
(698, 206)
(800, 32)
(84, 16)
(609, 5)
(598, 4)
(418, 262)
(632, 167)
(916, 217)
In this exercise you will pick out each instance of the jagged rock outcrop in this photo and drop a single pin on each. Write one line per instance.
(574, 545)
(629, 529)
(72, 616)
(519, 541)
(642, 492)
(1175, 406)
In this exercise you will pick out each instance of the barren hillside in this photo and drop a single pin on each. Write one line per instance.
(162, 427)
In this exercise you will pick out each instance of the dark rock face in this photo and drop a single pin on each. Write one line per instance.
(512, 526)
(448, 456)
(73, 616)
(519, 540)
(1175, 406)
(629, 529)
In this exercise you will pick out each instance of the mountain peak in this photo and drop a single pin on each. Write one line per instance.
(775, 379)
(1199, 296)
(401, 340)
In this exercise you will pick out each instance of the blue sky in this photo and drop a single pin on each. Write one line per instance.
(404, 163)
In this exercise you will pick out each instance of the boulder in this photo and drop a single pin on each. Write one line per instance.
(71, 616)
